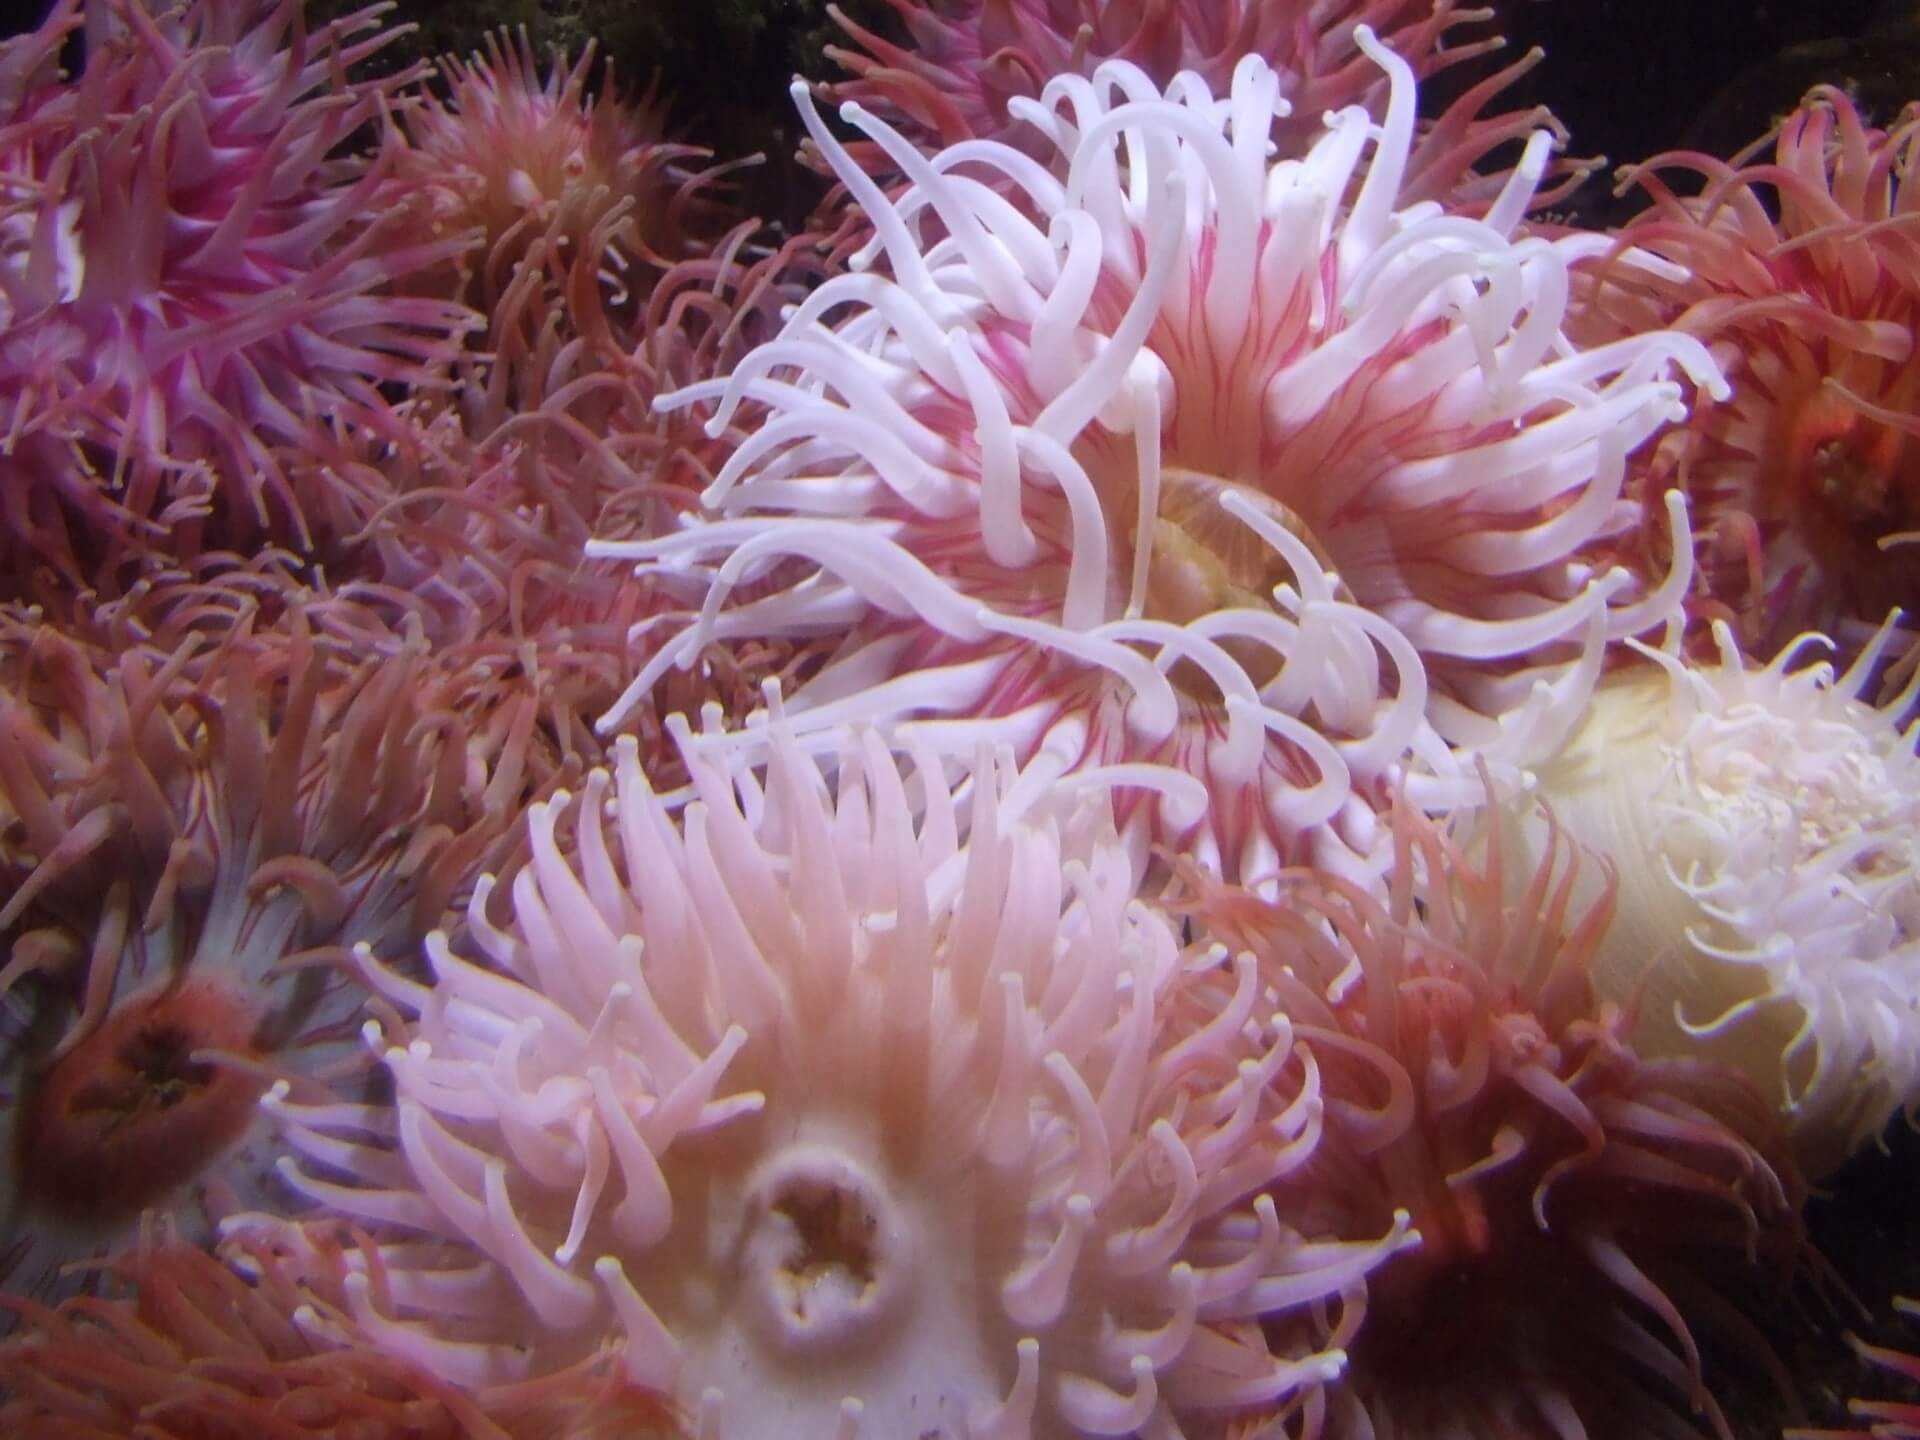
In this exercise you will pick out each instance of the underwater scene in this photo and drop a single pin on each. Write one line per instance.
(959, 720)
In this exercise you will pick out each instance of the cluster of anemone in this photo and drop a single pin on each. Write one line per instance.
(294, 631)
(195, 272)
(1163, 782)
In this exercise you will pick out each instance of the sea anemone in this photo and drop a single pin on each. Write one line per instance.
(185, 1349)
(1765, 825)
(191, 849)
(193, 272)
(1188, 456)
(525, 162)
(1573, 1200)
(495, 489)
(1800, 273)
(839, 1123)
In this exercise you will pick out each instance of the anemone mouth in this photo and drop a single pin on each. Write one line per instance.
(828, 1255)
(1199, 559)
(137, 1107)
(1853, 479)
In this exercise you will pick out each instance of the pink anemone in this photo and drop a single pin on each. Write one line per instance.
(194, 842)
(1573, 1203)
(193, 271)
(182, 1348)
(1801, 273)
(837, 1122)
(1181, 454)
(535, 167)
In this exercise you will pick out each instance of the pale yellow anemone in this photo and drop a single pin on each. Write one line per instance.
(1765, 821)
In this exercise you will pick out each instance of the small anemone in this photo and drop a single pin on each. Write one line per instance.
(1795, 264)
(195, 842)
(1765, 824)
(1576, 1205)
(531, 168)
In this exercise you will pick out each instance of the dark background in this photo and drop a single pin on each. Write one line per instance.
(1630, 78)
